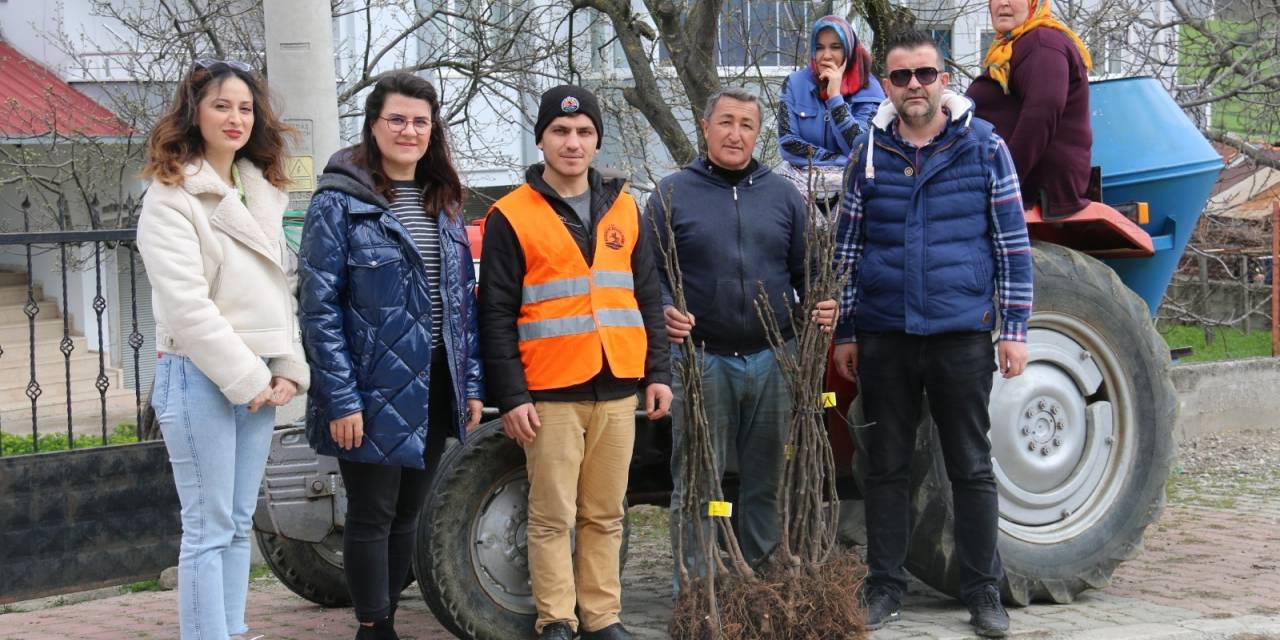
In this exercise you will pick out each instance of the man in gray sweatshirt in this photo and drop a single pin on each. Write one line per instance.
(737, 225)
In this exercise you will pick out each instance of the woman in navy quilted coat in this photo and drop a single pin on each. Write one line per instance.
(388, 322)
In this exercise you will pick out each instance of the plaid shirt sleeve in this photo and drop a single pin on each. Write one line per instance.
(1011, 244)
(849, 244)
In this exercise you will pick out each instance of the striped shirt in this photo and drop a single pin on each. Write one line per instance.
(1009, 239)
(406, 205)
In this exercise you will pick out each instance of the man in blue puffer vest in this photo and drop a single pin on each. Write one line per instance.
(932, 232)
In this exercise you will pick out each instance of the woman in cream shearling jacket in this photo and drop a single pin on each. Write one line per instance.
(223, 280)
(222, 288)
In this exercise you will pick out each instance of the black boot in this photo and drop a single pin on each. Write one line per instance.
(383, 629)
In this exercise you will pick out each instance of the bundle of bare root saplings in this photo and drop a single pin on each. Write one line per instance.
(808, 588)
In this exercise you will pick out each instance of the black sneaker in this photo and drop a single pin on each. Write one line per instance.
(987, 615)
(556, 631)
(882, 608)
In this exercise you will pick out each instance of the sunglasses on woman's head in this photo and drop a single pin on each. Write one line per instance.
(902, 77)
(209, 63)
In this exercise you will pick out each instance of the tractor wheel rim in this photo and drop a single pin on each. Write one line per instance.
(330, 549)
(1061, 433)
(499, 544)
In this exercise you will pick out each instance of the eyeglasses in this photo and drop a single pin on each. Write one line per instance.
(902, 77)
(209, 63)
(396, 123)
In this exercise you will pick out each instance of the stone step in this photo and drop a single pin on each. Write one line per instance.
(13, 278)
(12, 397)
(17, 294)
(84, 365)
(15, 314)
(50, 329)
(86, 414)
(45, 350)
(82, 375)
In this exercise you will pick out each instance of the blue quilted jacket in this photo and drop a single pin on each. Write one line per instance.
(366, 323)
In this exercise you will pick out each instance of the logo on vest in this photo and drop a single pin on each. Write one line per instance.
(569, 104)
(613, 238)
(908, 172)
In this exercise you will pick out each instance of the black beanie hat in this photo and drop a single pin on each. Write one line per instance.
(567, 100)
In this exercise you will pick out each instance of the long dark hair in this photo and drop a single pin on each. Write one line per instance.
(441, 187)
(175, 140)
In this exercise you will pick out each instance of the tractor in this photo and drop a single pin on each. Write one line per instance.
(1082, 441)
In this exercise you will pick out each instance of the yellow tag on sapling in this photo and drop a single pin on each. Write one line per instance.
(718, 509)
(828, 400)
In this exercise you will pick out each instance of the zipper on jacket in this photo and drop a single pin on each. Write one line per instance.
(446, 341)
(742, 267)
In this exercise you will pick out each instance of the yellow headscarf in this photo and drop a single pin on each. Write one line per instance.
(1001, 52)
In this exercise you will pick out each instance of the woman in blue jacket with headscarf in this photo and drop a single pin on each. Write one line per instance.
(824, 107)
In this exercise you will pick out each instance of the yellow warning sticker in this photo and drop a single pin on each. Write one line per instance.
(717, 509)
(828, 400)
(301, 172)
(790, 451)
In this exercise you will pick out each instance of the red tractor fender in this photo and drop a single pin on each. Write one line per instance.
(1097, 230)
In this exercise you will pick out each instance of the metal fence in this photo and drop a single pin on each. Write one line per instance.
(71, 250)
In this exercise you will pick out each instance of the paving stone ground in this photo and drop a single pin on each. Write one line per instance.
(1210, 569)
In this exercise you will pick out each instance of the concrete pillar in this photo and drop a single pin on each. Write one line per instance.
(302, 78)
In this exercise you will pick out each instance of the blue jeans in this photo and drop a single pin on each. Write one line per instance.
(218, 451)
(749, 411)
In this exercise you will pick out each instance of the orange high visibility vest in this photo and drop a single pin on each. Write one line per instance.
(570, 311)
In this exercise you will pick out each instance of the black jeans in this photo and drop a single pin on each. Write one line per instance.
(955, 370)
(383, 503)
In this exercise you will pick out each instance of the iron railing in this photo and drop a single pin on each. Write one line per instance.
(62, 242)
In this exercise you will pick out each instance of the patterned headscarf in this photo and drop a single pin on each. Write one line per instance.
(1001, 52)
(856, 57)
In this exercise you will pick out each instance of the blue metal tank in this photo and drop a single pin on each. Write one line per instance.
(1150, 151)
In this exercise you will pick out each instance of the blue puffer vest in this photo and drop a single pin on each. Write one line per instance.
(927, 265)
(365, 312)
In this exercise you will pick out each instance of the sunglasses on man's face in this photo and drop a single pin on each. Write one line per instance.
(902, 77)
(209, 63)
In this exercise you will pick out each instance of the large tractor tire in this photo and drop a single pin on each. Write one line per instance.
(472, 550)
(311, 570)
(1082, 441)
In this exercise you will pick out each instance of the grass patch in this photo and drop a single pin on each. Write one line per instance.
(16, 444)
(145, 585)
(1218, 343)
(259, 571)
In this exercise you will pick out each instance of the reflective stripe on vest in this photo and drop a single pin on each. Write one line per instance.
(555, 289)
(573, 315)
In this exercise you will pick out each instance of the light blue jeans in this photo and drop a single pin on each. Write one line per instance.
(218, 451)
(749, 410)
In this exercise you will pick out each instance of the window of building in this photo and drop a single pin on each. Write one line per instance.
(984, 44)
(942, 36)
(765, 34)
(1108, 53)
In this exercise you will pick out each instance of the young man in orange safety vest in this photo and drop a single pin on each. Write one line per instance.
(571, 327)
